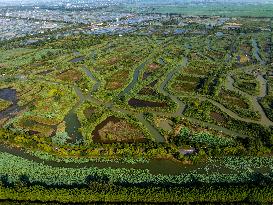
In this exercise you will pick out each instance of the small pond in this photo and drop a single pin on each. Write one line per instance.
(72, 127)
(9, 95)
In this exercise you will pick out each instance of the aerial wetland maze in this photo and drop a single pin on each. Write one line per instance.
(158, 118)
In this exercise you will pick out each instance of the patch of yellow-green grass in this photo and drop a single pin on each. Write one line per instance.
(4, 104)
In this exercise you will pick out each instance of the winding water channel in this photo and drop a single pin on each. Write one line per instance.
(72, 123)
(135, 79)
(154, 132)
(162, 87)
(155, 166)
(253, 99)
(93, 78)
(159, 166)
(256, 52)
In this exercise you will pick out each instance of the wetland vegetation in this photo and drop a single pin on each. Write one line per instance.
(155, 115)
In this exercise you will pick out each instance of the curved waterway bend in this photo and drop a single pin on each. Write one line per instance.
(155, 166)
(161, 166)
(181, 105)
(93, 78)
(135, 79)
(256, 52)
(254, 99)
(71, 119)
(162, 87)
(72, 123)
(153, 131)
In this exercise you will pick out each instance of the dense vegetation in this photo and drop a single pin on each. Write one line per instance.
(116, 193)
(158, 115)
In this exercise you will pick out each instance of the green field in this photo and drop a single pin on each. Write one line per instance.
(87, 118)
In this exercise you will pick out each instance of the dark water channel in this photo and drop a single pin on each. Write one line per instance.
(92, 77)
(76, 60)
(146, 75)
(134, 81)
